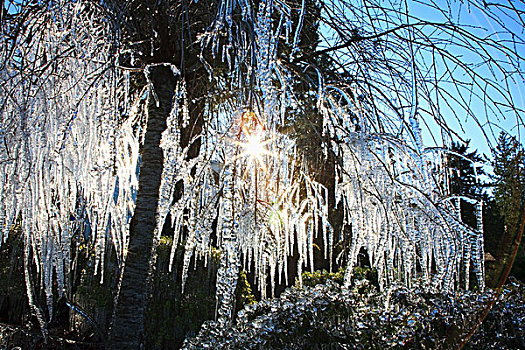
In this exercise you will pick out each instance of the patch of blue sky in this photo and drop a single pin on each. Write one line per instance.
(475, 87)
(482, 122)
(14, 6)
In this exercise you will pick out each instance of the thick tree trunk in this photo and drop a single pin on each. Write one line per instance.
(128, 320)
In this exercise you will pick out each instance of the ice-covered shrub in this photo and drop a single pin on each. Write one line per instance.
(361, 317)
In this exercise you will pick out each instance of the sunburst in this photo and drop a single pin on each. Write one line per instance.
(255, 148)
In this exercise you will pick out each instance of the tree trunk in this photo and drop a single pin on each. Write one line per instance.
(128, 319)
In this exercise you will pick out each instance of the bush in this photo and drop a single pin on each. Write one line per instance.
(333, 317)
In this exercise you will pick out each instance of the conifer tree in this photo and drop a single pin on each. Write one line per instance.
(464, 178)
(508, 182)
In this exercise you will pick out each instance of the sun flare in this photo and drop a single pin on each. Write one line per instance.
(255, 148)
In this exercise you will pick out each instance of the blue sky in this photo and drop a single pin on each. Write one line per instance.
(475, 17)
(476, 22)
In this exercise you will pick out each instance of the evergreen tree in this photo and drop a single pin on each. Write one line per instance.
(508, 179)
(465, 170)
(508, 182)
(464, 176)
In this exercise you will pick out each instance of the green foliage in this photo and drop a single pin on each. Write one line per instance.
(215, 254)
(508, 182)
(244, 295)
(311, 279)
(88, 292)
(169, 320)
(463, 167)
(13, 299)
(366, 273)
(94, 294)
(509, 179)
(463, 170)
(172, 315)
(518, 268)
(164, 247)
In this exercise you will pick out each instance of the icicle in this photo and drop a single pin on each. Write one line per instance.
(229, 266)
(479, 253)
(188, 251)
(298, 28)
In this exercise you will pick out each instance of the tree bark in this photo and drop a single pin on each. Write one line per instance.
(128, 319)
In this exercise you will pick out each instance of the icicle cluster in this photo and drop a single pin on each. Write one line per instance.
(248, 175)
(399, 216)
(69, 151)
(251, 177)
(395, 208)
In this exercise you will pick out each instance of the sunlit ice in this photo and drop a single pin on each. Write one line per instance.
(254, 139)
(255, 147)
